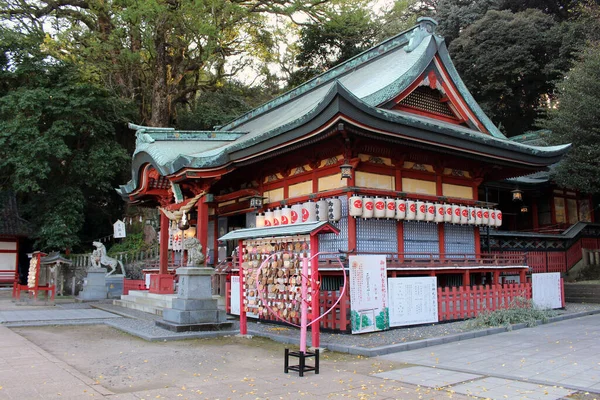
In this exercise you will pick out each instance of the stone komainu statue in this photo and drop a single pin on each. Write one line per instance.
(194, 249)
(99, 258)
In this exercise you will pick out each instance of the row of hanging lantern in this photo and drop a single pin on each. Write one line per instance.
(417, 210)
(310, 211)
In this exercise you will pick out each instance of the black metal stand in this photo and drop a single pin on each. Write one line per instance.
(302, 356)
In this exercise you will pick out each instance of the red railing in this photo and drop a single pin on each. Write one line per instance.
(133, 284)
(468, 302)
(436, 260)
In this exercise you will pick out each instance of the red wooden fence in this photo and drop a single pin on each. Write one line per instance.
(468, 302)
(133, 284)
(337, 319)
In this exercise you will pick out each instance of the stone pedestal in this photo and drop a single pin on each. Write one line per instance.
(94, 285)
(194, 309)
(114, 286)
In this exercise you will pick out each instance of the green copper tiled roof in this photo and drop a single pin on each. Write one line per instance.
(358, 88)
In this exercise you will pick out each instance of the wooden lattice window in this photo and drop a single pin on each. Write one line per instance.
(428, 100)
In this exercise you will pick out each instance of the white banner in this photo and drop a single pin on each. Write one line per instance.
(413, 300)
(119, 229)
(235, 295)
(368, 293)
(546, 290)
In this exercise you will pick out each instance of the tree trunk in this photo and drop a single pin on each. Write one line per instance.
(160, 89)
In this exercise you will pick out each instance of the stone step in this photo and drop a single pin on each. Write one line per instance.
(146, 294)
(140, 307)
(161, 303)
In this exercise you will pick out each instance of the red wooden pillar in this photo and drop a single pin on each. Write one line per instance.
(163, 266)
(522, 276)
(243, 319)
(162, 283)
(467, 278)
(315, 291)
(496, 277)
(202, 228)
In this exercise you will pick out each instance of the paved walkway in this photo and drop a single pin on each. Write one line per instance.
(53, 315)
(548, 361)
(28, 372)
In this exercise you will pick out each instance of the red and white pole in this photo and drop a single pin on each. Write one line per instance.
(304, 305)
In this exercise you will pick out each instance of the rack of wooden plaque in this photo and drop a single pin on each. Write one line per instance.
(280, 280)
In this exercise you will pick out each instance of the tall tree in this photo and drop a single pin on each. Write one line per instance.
(158, 52)
(576, 120)
(58, 150)
(509, 62)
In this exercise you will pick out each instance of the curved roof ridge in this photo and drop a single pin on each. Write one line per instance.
(410, 38)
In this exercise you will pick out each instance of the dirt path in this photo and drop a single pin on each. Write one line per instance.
(230, 367)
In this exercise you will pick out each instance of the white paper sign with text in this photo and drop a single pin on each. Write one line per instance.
(413, 301)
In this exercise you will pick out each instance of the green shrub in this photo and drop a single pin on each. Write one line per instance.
(133, 243)
(520, 310)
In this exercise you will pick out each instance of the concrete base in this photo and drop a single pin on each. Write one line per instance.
(94, 285)
(194, 309)
(201, 327)
(114, 286)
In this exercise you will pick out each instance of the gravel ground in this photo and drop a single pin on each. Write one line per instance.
(143, 324)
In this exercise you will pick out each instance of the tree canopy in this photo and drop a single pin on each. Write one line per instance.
(510, 61)
(58, 148)
(576, 120)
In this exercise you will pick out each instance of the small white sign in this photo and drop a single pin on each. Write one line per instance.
(546, 290)
(235, 295)
(413, 301)
(119, 229)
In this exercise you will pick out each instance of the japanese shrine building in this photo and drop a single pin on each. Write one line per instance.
(397, 119)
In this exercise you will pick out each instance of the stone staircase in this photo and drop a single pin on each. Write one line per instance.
(152, 303)
(142, 300)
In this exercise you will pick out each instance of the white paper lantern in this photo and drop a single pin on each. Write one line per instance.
(390, 208)
(379, 207)
(485, 220)
(400, 209)
(492, 221)
(322, 210)
(276, 217)
(447, 212)
(368, 207)
(296, 213)
(498, 218)
(411, 210)
(471, 211)
(286, 216)
(335, 209)
(421, 211)
(439, 213)
(355, 206)
(309, 212)
(455, 214)
(464, 215)
(260, 220)
(430, 211)
(268, 218)
(478, 215)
